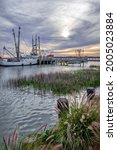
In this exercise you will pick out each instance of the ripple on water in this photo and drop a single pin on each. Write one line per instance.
(25, 111)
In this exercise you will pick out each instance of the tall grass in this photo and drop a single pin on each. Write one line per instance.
(60, 83)
(11, 142)
(79, 129)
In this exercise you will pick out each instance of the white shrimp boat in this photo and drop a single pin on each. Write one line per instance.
(19, 59)
(24, 61)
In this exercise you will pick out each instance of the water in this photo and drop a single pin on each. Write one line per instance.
(23, 108)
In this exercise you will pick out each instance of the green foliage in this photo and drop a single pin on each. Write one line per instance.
(80, 128)
(49, 137)
(61, 83)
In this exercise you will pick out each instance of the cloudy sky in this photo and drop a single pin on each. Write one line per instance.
(63, 25)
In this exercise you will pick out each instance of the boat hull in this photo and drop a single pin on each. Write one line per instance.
(21, 62)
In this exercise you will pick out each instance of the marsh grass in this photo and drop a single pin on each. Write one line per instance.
(94, 66)
(60, 83)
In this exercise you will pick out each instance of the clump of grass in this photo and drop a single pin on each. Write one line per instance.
(78, 129)
(44, 140)
(60, 83)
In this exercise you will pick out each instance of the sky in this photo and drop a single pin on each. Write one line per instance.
(63, 25)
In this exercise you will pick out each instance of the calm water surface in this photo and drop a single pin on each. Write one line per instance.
(24, 108)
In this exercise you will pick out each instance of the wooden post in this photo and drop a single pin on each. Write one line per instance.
(63, 106)
(90, 93)
(80, 63)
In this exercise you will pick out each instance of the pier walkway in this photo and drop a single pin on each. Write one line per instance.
(75, 60)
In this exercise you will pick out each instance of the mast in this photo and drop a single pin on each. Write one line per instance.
(39, 45)
(36, 44)
(17, 45)
(32, 44)
(18, 49)
(14, 40)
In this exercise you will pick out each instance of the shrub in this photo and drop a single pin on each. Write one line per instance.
(80, 128)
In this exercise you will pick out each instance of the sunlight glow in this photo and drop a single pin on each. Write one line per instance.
(65, 33)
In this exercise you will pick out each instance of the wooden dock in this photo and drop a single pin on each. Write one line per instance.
(74, 60)
(64, 61)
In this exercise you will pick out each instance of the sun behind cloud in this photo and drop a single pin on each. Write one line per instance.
(65, 33)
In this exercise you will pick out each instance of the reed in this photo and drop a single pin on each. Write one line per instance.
(12, 142)
(60, 83)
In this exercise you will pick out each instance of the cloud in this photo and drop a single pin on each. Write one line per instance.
(51, 20)
(85, 50)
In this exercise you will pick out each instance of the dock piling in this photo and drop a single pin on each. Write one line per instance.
(63, 106)
(90, 93)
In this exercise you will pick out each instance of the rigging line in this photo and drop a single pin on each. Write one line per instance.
(26, 44)
(10, 55)
(8, 51)
(27, 50)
